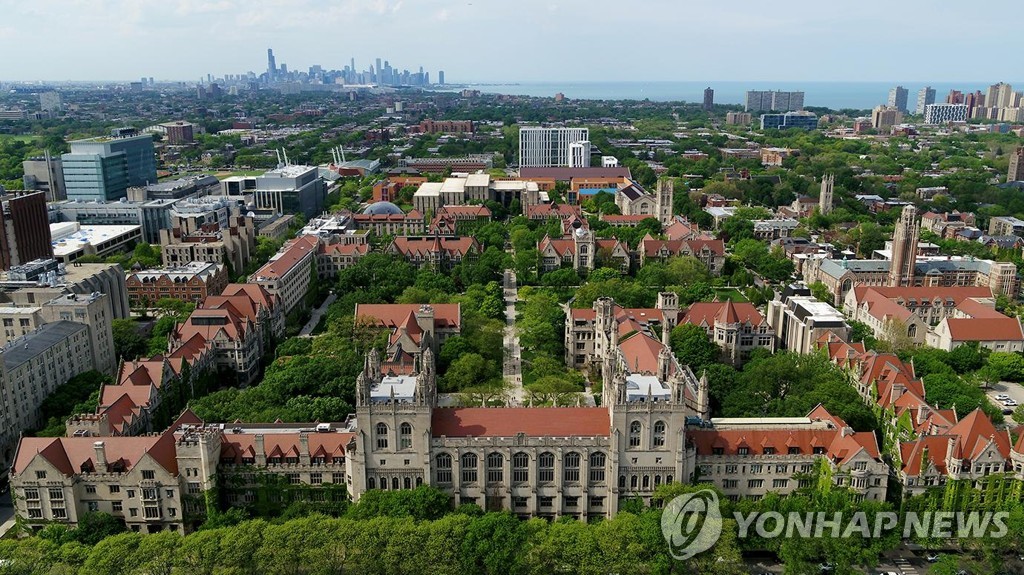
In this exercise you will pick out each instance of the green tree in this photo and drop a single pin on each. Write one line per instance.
(693, 347)
(128, 344)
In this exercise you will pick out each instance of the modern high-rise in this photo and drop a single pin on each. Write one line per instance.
(102, 169)
(440, 77)
(24, 229)
(541, 147)
(579, 154)
(898, 98)
(709, 99)
(1016, 173)
(925, 97)
(904, 249)
(1000, 96)
(945, 113)
(271, 64)
(802, 120)
(768, 101)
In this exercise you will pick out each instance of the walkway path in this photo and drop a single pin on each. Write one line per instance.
(307, 330)
(512, 367)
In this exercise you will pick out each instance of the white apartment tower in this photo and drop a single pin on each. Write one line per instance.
(541, 147)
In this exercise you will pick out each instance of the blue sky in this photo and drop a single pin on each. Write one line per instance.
(517, 40)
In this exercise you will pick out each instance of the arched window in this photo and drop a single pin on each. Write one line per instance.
(668, 479)
(634, 434)
(405, 436)
(371, 483)
(443, 465)
(657, 480)
(546, 467)
(382, 436)
(520, 468)
(495, 468)
(408, 483)
(597, 460)
(394, 483)
(633, 482)
(622, 482)
(647, 481)
(419, 481)
(469, 468)
(912, 330)
(571, 467)
(659, 434)
(384, 483)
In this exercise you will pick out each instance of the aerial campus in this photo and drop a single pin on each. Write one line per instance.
(365, 321)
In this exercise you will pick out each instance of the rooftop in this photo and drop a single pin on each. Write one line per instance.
(29, 346)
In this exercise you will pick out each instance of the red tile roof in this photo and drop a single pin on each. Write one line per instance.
(424, 246)
(289, 257)
(508, 422)
(707, 313)
(552, 210)
(71, 454)
(989, 329)
(446, 315)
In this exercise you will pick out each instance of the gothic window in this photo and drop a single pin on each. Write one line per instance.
(572, 467)
(382, 436)
(520, 468)
(546, 467)
(495, 468)
(405, 436)
(443, 463)
(659, 434)
(634, 434)
(597, 467)
(912, 330)
(469, 468)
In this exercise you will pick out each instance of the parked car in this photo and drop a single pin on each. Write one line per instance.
(1002, 397)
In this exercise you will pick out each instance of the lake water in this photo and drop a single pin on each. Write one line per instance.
(835, 95)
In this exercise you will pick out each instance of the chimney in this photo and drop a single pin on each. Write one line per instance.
(304, 447)
(101, 456)
(261, 454)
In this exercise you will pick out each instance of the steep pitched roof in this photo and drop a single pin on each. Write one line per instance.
(727, 312)
(974, 432)
(989, 329)
(72, 454)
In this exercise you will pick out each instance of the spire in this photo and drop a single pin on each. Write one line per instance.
(703, 393)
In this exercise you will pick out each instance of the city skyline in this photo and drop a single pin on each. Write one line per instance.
(185, 40)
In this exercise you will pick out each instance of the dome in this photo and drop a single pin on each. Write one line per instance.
(381, 208)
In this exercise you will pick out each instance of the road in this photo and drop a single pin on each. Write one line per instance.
(512, 367)
(307, 330)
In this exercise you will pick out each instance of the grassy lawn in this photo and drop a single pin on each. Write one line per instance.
(223, 175)
(731, 294)
(20, 137)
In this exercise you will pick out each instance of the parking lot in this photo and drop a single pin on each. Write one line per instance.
(1012, 390)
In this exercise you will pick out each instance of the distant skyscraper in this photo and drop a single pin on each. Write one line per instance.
(1016, 166)
(944, 113)
(440, 77)
(709, 99)
(925, 97)
(955, 97)
(885, 117)
(999, 96)
(271, 64)
(904, 249)
(898, 98)
(768, 101)
(551, 147)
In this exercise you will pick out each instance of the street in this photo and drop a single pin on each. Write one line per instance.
(512, 367)
(1014, 390)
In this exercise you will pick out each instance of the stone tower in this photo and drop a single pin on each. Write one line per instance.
(664, 197)
(904, 249)
(825, 199)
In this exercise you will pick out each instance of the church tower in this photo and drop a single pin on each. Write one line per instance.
(665, 196)
(904, 249)
(825, 199)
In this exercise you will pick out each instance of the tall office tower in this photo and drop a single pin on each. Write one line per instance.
(1016, 166)
(271, 64)
(102, 169)
(904, 249)
(898, 98)
(709, 99)
(955, 97)
(925, 97)
(825, 199)
(550, 147)
(24, 229)
(378, 71)
(973, 101)
(440, 77)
